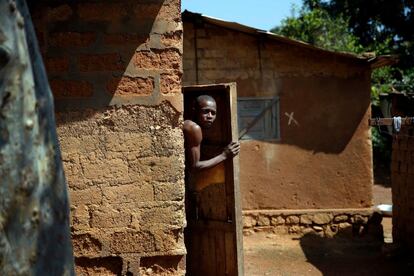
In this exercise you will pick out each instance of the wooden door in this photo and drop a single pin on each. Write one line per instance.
(213, 236)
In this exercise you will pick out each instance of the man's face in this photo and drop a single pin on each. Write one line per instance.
(207, 113)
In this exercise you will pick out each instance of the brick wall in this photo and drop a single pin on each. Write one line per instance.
(115, 71)
(402, 175)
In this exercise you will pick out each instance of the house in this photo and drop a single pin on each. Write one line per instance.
(308, 159)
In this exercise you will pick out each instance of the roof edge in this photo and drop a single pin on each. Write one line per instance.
(369, 58)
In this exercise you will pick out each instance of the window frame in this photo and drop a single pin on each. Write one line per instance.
(275, 110)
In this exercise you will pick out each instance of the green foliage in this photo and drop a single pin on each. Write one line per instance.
(381, 26)
(317, 27)
(406, 84)
(375, 96)
(377, 139)
(382, 83)
(372, 21)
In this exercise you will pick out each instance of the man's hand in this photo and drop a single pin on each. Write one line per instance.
(232, 149)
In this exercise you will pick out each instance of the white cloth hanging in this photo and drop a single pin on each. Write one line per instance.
(396, 122)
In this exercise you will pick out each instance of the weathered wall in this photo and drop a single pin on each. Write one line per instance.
(402, 175)
(115, 70)
(323, 161)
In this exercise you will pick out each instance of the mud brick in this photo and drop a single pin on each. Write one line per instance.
(170, 83)
(124, 38)
(126, 242)
(86, 245)
(169, 191)
(168, 213)
(394, 154)
(169, 59)
(140, 192)
(71, 39)
(91, 195)
(395, 166)
(167, 239)
(128, 86)
(59, 13)
(403, 168)
(172, 39)
(402, 156)
(107, 217)
(403, 143)
(71, 88)
(100, 62)
(396, 142)
(57, 65)
(170, 11)
(101, 11)
(410, 143)
(114, 168)
(80, 217)
(148, 11)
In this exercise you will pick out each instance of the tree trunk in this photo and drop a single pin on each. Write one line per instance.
(34, 211)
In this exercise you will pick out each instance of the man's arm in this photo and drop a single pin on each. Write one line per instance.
(193, 137)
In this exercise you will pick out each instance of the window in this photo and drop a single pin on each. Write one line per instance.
(267, 127)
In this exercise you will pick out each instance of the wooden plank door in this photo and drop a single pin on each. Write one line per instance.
(213, 236)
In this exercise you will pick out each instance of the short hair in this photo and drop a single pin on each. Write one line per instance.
(201, 98)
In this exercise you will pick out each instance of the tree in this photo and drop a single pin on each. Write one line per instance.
(317, 27)
(381, 26)
(34, 211)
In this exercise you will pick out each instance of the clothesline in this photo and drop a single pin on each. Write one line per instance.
(390, 121)
(395, 122)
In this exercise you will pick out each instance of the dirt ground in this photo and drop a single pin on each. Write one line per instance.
(381, 195)
(275, 254)
(285, 255)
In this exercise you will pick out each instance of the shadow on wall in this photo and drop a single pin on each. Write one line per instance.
(101, 54)
(354, 251)
(323, 114)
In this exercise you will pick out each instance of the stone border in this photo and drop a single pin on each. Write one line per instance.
(324, 222)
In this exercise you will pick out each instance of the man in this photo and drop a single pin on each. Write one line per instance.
(205, 111)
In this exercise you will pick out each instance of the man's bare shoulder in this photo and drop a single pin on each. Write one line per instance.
(192, 132)
(190, 127)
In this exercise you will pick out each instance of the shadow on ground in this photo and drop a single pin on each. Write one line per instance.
(311, 254)
(344, 256)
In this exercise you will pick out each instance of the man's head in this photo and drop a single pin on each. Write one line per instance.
(206, 111)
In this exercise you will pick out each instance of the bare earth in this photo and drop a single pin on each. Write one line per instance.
(276, 254)
(381, 195)
(285, 255)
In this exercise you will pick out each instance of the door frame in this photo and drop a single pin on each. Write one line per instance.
(237, 225)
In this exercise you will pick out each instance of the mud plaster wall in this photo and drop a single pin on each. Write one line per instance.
(115, 70)
(402, 175)
(323, 161)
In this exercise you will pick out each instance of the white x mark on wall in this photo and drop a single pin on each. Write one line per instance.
(291, 119)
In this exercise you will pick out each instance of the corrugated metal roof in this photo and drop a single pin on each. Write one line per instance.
(370, 58)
